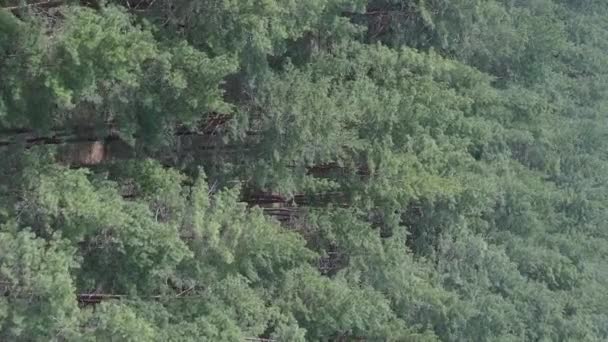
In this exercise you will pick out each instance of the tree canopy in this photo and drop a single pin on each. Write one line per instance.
(283, 170)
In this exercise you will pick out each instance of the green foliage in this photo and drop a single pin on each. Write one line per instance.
(99, 68)
(444, 162)
(114, 321)
(39, 290)
(249, 30)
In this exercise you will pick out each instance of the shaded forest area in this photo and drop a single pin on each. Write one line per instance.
(322, 170)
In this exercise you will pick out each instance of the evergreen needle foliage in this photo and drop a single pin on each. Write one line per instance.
(320, 170)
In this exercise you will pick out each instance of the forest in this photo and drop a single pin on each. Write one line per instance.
(303, 170)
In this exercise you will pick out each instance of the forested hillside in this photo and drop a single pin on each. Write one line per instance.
(304, 170)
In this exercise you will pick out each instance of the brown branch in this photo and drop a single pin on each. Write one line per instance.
(42, 4)
(6, 287)
(371, 13)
